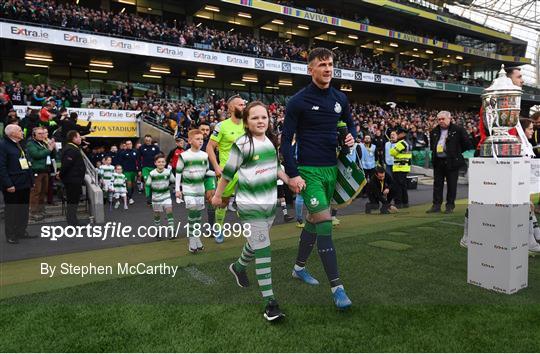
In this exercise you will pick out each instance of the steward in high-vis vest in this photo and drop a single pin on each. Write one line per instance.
(402, 165)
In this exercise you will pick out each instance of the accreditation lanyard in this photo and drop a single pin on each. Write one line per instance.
(25, 164)
(48, 162)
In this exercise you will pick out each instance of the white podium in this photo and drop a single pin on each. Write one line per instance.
(498, 223)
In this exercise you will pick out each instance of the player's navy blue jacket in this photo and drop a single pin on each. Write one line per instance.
(313, 114)
(128, 159)
(147, 153)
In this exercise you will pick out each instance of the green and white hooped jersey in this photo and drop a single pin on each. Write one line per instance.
(257, 168)
(106, 172)
(159, 185)
(192, 167)
(119, 182)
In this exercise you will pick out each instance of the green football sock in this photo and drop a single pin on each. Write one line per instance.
(247, 256)
(263, 272)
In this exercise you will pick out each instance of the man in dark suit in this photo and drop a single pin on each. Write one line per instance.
(448, 141)
(15, 182)
(72, 174)
(379, 192)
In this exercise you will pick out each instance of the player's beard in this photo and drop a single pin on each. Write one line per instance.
(238, 113)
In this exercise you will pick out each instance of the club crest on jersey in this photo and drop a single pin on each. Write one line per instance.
(314, 202)
(255, 158)
(261, 237)
(337, 108)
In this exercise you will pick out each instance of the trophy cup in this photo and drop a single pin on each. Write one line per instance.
(501, 105)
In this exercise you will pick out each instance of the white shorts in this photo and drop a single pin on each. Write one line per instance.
(194, 202)
(119, 194)
(107, 186)
(260, 233)
(162, 206)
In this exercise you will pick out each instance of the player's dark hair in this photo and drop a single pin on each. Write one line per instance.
(320, 53)
(232, 98)
(525, 122)
(268, 133)
(71, 135)
(159, 156)
(379, 169)
(510, 70)
(535, 116)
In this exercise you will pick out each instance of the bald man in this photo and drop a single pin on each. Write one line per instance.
(15, 183)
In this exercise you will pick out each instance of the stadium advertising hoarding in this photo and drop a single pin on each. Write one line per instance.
(82, 40)
(108, 123)
(384, 32)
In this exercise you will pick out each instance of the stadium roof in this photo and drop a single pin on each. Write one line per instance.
(520, 18)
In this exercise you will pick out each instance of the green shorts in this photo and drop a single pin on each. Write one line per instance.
(231, 187)
(320, 185)
(131, 176)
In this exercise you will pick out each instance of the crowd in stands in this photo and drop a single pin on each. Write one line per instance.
(77, 17)
(180, 116)
(40, 94)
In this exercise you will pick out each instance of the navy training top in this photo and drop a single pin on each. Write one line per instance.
(128, 159)
(147, 154)
(313, 114)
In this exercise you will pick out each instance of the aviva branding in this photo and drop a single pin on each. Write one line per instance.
(24, 32)
(312, 16)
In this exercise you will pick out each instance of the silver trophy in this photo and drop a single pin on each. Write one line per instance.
(501, 104)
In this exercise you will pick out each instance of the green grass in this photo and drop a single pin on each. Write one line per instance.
(404, 299)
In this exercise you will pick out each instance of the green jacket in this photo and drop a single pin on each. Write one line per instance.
(38, 153)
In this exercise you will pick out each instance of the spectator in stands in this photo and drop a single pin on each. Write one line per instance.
(17, 95)
(419, 139)
(70, 123)
(41, 152)
(368, 157)
(72, 174)
(76, 97)
(174, 154)
(5, 106)
(15, 182)
(131, 25)
(378, 141)
(388, 158)
(448, 142)
(115, 98)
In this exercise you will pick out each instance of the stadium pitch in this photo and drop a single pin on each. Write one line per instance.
(405, 273)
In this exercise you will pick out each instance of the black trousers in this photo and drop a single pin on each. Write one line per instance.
(401, 195)
(73, 195)
(442, 173)
(376, 199)
(16, 213)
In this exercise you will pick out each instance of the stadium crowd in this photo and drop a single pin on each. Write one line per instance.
(370, 119)
(179, 33)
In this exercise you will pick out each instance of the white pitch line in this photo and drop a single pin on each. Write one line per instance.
(451, 223)
(200, 276)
